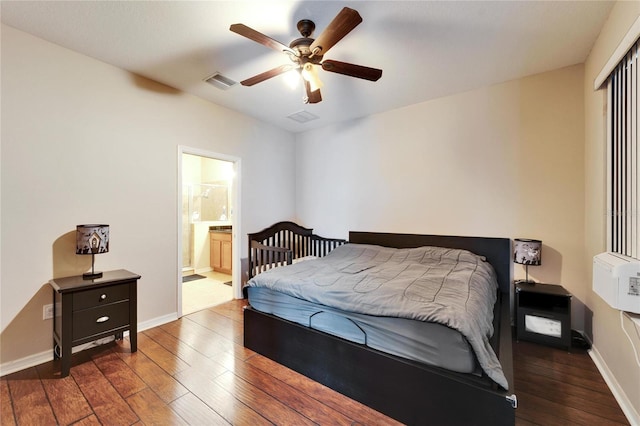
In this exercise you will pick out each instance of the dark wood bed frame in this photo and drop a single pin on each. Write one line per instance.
(408, 391)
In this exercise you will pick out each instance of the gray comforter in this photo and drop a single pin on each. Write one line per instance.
(449, 286)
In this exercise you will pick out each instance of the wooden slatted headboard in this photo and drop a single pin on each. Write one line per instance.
(283, 242)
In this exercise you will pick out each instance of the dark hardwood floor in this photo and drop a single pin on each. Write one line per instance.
(555, 387)
(196, 371)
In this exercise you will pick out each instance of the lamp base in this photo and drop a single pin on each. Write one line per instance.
(529, 282)
(91, 275)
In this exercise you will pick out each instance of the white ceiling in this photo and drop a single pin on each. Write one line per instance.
(426, 49)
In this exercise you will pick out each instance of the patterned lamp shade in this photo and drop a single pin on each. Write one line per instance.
(527, 252)
(92, 239)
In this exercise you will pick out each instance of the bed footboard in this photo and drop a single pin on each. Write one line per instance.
(282, 243)
(412, 393)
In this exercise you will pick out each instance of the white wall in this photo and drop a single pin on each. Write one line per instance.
(612, 348)
(502, 161)
(83, 141)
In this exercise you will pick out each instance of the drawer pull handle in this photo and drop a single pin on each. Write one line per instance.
(103, 296)
(102, 319)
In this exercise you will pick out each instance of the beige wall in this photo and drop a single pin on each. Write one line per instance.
(503, 161)
(609, 340)
(83, 141)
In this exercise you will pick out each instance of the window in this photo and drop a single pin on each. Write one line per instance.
(623, 156)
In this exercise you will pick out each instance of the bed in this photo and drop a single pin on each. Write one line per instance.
(393, 382)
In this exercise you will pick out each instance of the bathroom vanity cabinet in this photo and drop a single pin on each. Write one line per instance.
(221, 250)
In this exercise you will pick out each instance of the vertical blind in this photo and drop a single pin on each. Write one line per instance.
(623, 224)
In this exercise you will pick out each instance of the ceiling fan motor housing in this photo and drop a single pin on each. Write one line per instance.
(301, 45)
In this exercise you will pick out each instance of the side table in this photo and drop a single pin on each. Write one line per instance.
(543, 314)
(88, 310)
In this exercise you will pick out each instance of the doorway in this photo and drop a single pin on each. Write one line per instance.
(208, 259)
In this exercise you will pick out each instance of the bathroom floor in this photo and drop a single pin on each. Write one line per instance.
(206, 292)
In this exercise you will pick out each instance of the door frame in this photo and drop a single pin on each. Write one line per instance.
(235, 219)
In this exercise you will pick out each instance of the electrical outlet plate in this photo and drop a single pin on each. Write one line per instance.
(47, 311)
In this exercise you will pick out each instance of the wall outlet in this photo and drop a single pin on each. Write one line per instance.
(47, 311)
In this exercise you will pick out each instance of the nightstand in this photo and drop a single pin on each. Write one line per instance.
(543, 314)
(88, 310)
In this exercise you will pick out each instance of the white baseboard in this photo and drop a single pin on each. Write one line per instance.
(618, 393)
(26, 362)
(155, 322)
(46, 356)
(203, 270)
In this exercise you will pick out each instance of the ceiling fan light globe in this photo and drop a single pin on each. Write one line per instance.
(292, 78)
(310, 74)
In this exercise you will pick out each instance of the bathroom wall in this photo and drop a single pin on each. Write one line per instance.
(197, 172)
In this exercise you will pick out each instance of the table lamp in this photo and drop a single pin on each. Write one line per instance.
(92, 239)
(527, 252)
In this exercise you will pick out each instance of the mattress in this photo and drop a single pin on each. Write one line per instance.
(426, 342)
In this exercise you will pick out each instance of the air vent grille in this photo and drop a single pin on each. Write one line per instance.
(302, 116)
(220, 81)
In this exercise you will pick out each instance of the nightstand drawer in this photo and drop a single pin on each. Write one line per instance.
(90, 322)
(544, 327)
(100, 296)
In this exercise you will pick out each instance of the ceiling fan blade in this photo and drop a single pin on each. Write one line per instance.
(313, 97)
(256, 36)
(341, 25)
(267, 75)
(359, 71)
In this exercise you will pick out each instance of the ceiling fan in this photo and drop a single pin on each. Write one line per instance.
(307, 53)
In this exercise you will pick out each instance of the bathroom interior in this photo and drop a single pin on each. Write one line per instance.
(206, 232)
